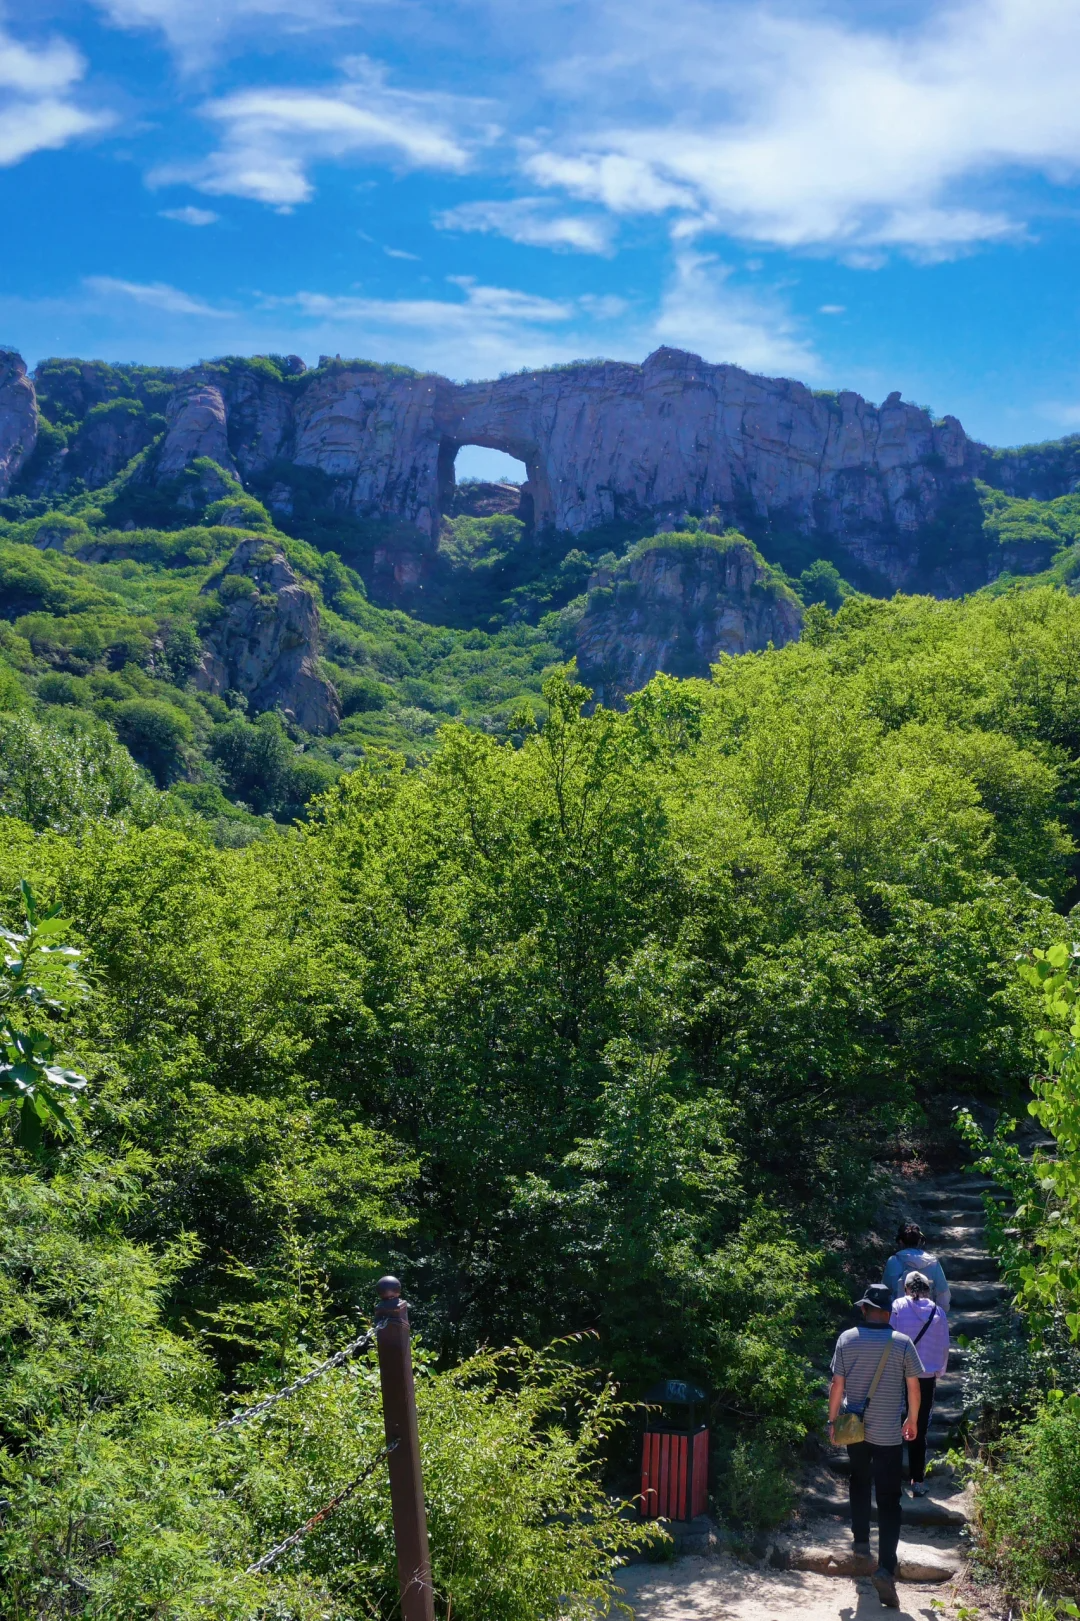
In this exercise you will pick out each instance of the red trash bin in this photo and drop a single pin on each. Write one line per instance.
(675, 1457)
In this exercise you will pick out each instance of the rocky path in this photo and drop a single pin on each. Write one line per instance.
(810, 1569)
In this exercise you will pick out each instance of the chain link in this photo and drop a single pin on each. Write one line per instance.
(316, 1519)
(246, 1413)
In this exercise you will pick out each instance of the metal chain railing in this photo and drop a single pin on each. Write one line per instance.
(316, 1519)
(335, 1361)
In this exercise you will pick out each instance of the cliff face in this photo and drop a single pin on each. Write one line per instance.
(266, 643)
(677, 607)
(601, 443)
(883, 491)
(18, 418)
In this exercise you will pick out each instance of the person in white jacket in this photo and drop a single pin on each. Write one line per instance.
(912, 1256)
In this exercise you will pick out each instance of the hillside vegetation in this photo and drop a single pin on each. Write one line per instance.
(611, 1016)
(107, 596)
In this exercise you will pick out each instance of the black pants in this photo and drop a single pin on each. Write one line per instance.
(884, 1466)
(916, 1450)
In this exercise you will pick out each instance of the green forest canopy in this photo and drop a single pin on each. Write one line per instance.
(619, 1012)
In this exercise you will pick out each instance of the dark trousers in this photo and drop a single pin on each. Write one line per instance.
(916, 1450)
(884, 1467)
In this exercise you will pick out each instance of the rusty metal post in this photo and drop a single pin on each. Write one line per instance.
(406, 1483)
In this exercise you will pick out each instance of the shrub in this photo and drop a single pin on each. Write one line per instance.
(182, 653)
(1028, 1503)
(238, 512)
(756, 1491)
(127, 1504)
(12, 694)
(361, 694)
(252, 759)
(59, 780)
(57, 688)
(823, 583)
(305, 776)
(156, 733)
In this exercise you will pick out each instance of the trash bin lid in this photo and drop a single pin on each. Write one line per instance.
(677, 1391)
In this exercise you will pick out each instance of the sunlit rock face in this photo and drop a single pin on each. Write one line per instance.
(884, 491)
(676, 607)
(603, 443)
(18, 418)
(196, 425)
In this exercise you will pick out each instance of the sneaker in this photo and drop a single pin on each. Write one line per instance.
(862, 1549)
(885, 1584)
(919, 1488)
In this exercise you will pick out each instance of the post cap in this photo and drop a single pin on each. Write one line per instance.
(389, 1290)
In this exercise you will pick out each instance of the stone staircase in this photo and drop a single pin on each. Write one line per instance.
(951, 1215)
(949, 1209)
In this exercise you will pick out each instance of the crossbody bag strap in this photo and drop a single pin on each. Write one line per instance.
(877, 1376)
(925, 1326)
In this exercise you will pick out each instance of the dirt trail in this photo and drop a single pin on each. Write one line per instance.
(809, 1571)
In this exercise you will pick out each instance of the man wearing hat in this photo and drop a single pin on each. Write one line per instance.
(871, 1367)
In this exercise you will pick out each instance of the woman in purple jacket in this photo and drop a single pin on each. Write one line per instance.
(917, 1315)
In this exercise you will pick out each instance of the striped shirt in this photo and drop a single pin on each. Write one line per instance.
(858, 1352)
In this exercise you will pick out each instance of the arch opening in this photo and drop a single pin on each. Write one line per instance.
(482, 480)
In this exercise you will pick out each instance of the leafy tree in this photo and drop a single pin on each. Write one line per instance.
(38, 979)
(254, 759)
(822, 582)
(156, 733)
(58, 779)
(182, 652)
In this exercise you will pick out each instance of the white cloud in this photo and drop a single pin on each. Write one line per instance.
(401, 253)
(477, 333)
(191, 216)
(831, 309)
(534, 221)
(36, 112)
(273, 136)
(492, 329)
(800, 131)
(701, 311)
(466, 329)
(50, 68)
(155, 295)
(195, 29)
(1064, 414)
(489, 305)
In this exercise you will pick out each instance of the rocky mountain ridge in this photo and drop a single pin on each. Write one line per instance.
(886, 492)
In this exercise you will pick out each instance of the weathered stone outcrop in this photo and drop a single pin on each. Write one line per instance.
(677, 607)
(884, 491)
(196, 425)
(266, 644)
(18, 417)
(603, 443)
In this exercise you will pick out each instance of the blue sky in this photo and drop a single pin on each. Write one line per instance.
(864, 195)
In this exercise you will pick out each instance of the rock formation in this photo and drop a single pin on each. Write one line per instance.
(879, 490)
(618, 442)
(196, 425)
(676, 606)
(266, 642)
(18, 418)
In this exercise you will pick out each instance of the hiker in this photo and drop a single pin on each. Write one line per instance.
(872, 1366)
(927, 1327)
(912, 1256)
